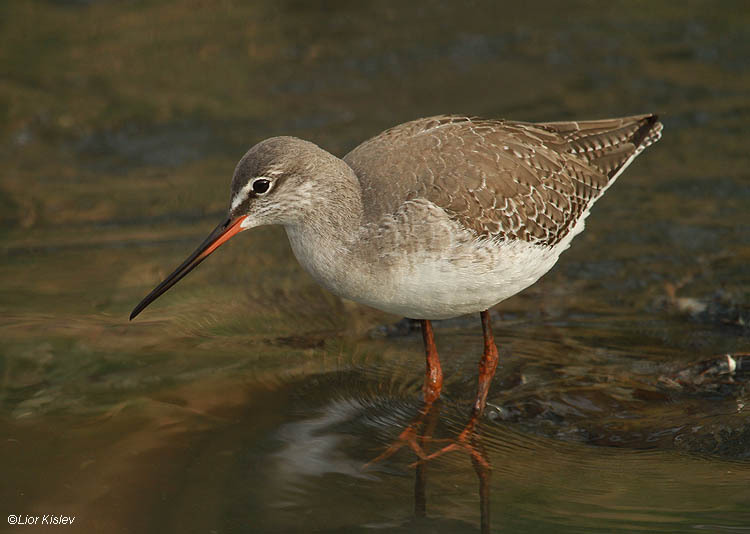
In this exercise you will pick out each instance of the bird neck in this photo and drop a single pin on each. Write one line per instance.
(324, 237)
(336, 213)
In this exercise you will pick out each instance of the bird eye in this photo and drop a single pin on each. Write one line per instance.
(261, 185)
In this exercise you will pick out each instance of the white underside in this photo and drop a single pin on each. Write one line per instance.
(467, 276)
(440, 288)
(468, 281)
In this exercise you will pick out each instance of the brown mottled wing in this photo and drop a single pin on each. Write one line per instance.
(500, 179)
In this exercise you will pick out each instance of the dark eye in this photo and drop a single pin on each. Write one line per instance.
(261, 185)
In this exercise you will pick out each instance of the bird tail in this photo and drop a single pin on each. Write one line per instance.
(608, 145)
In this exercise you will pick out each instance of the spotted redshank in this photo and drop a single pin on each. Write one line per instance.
(433, 218)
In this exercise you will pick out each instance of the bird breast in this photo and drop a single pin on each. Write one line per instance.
(420, 264)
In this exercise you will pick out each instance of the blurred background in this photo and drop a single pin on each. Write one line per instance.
(248, 398)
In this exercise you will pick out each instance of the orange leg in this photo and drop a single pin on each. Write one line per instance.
(487, 365)
(433, 379)
(433, 383)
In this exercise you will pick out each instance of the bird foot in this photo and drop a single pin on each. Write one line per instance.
(410, 437)
(467, 440)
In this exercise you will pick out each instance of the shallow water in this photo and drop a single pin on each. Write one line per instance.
(248, 399)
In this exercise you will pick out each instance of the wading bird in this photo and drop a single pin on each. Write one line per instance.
(433, 218)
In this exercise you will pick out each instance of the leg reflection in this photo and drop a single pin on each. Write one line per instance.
(484, 472)
(479, 460)
(469, 439)
(420, 481)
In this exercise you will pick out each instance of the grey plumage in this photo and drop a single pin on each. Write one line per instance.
(434, 218)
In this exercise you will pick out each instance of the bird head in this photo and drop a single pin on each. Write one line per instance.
(272, 184)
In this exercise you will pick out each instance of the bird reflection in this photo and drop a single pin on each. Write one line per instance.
(418, 436)
(470, 440)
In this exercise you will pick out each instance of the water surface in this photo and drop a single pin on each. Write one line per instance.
(248, 399)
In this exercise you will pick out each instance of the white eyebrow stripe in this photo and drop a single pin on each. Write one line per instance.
(241, 195)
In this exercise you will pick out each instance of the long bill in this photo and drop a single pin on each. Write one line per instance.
(220, 235)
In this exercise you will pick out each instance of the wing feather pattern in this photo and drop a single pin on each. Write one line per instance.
(500, 179)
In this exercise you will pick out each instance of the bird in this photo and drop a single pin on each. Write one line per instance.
(434, 218)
